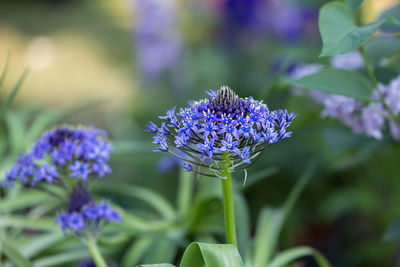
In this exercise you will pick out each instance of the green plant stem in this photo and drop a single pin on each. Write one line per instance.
(95, 252)
(375, 83)
(227, 193)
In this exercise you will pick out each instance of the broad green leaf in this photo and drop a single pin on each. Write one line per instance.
(381, 48)
(154, 200)
(62, 258)
(393, 231)
(267, 233)
(157, 265)
(211, 255)
(337, 81)
(10, 97)
(14, 255)
(290, 255)
(339, 31)
(354, 4)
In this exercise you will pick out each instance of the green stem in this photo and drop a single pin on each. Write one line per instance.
(95, 252)
(229, 212)
(375, 83)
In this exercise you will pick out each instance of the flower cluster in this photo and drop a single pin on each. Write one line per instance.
(363, 118)
(84, 216)
(224, 126)
(64, 151)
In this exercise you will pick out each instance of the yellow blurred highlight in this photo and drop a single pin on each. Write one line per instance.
(371, 9)
(68, 67)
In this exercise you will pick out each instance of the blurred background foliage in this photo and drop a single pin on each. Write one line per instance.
(118, 64)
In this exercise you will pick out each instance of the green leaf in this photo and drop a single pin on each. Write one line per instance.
(290, 255)
(154, 200)
(14, 256)
(393, 231)
(136, 251)
(391, 19)
(242, 223)
(298, 189)
(26, 199)
(157, 265)
(38, 244)
(339, 32)
(271, 221)
(164, 249)
(185, 192)
(380, 48)
(66, 257)
(336, 81)
(268, 229)
(46, 224)
(211, 255)
(4, 106)
(354, 4)
(4, 72)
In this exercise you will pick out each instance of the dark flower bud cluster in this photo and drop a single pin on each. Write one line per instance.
(64, 151)
(222, 127)
(91, 263)
(84, 216)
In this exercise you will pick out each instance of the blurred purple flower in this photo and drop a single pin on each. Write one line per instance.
(157, 37)
(367, 119)
(168, 163)
(83, 151)
(283, 19)
(350, 61)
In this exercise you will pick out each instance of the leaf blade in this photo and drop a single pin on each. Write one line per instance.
(339, 31)
(336, 81)
(211, 255)
(290, 255)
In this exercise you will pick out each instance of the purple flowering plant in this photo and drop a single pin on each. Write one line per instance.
(70, 158)
(219, 135)
(221, 129)
(349, 88)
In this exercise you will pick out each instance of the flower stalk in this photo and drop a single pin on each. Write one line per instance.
(375, 83)
(95, 252)
(227, 193)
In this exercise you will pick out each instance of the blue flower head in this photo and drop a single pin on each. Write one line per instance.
(65, 151)
(223, 125)
(84, 216)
